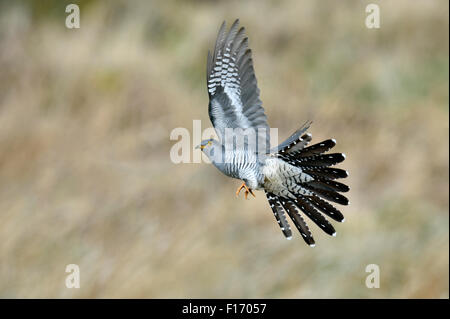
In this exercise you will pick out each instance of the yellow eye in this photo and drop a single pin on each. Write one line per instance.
(209, 143)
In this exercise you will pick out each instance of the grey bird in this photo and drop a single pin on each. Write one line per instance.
(296, 178)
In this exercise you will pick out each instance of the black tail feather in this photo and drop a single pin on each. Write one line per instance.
(318, 148)
(315, 216)
(326, 208)
(297, 145)
(321, 160)
(279, 214)
(291, 139)
(298, 220)
(328, 195)
(326, 172)
(328, 185)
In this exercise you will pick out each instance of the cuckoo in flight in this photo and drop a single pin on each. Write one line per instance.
(297, 179)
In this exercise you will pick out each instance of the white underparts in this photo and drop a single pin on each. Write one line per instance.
(282, 179)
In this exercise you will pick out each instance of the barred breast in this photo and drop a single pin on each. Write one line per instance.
(245, 166)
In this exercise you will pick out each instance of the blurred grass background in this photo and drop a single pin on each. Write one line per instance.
(86, 178)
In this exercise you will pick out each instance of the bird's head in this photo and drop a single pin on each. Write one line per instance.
(211, 148)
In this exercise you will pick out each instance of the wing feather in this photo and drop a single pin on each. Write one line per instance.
(232, 86)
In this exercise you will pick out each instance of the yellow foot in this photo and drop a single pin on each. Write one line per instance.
(247, 190)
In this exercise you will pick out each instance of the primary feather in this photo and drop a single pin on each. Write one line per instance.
(232, 87)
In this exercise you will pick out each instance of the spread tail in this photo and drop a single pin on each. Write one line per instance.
(312, 197)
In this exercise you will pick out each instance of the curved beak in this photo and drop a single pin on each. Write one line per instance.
(199, 146)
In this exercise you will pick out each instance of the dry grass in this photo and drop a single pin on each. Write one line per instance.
(85, 118)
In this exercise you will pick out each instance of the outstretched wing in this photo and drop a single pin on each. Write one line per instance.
(233, 92)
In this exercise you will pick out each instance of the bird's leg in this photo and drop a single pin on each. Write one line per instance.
(247, 190)
(239, 189)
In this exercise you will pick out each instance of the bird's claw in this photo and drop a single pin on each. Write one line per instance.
(247, 190)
